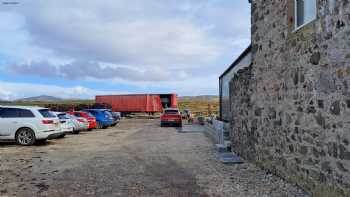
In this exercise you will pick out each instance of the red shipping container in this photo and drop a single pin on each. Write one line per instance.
(138, 102)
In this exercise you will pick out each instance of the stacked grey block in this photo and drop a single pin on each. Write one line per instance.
(220, 131)
(291, 110)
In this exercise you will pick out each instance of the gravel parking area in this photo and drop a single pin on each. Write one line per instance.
(135, 158)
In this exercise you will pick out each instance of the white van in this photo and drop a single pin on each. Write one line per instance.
(26, 125)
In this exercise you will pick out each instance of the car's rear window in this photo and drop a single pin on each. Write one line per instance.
(171, 111)
(89, 114)
(63, 116)
(92, 112)
(46, 113)
(69, 116)
(109, 114)
(77, 114)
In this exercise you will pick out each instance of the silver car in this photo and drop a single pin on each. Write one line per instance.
(80, 123)
(26, 125)
(66, 123)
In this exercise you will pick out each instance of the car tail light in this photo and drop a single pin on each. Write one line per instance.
(47, 121)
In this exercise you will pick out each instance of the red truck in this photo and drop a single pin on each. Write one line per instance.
(133, 103)
(171, 116)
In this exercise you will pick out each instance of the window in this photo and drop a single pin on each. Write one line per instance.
(9, 113)
(77, 114)
(305, 12)
(171, 111)
(69, 116)
(23, 113)
(63, 116)
(89, 114)
(15, 113)
(46, 113)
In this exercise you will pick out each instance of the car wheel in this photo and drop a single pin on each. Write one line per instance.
(61, 136)
(180, 124)
(25, 137)
(89, 129)
(76, 132)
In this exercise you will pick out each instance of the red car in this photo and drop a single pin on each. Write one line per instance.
(88, 116)
(171, 116)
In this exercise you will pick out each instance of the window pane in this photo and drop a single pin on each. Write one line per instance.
(9, 113)
(170, 111)
(63, 116)
(300, 12)
(89, 114)
(305, 11)
(46, 113)
(25, 113)
(309, 10)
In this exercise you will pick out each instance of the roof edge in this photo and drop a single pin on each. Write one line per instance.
(244, 53)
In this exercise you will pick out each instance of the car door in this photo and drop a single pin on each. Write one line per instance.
(8, 121)
(2, 123)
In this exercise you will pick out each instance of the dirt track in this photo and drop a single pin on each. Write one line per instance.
(136, 158)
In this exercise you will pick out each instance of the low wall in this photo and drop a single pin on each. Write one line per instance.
(219, 130)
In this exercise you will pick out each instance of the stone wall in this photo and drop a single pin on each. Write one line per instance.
(243, 138)
(292, 116)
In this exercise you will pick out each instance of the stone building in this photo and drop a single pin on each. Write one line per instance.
(291, 108)
(243, 61)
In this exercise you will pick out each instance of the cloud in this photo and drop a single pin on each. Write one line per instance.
(5, 94)
(127, 32)
(154, 42)
(81, 70)
(12, 91)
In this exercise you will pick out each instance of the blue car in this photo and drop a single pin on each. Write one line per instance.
(103, 117)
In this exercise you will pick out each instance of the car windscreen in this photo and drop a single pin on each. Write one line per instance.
(171, 111)
(46, 113)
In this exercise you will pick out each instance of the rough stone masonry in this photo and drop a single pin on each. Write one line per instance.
(291, 109)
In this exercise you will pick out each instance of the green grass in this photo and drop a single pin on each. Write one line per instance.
(200, 107)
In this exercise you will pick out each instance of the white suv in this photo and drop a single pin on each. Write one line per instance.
(26, 125)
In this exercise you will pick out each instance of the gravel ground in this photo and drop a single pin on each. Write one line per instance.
(135, 158)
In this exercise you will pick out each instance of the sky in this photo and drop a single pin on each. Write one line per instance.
(80, 48)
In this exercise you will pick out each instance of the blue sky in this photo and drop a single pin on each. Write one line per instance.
(77, 49)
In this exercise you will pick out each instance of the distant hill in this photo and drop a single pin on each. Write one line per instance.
(42, 98)
(199, 98)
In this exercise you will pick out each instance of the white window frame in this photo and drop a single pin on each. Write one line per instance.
(296, 27)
